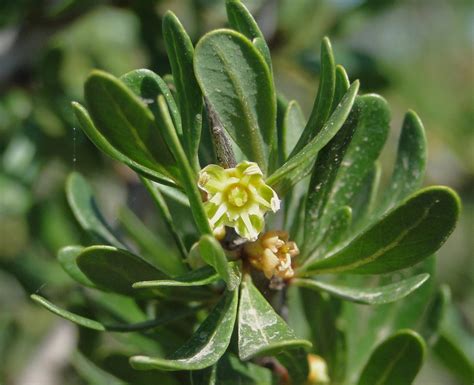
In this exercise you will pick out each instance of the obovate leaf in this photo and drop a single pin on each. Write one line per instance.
(200, 277)
(152, 248)
(323, 314)
(296, 167)
(126, 122)
(242, 21)
(229, 370)
(113, 269)
(206, 345)
(83, 205)
(187, 175)
(396, 361)
(371, 117)
(322, 181)
(293, 126)
(323, 102)
(261, 331)
(212, 253)
(180, 53)
(237, 82)
(104, 145)
(404, 237)
(148, 86)
(99, 326)
(410, 164)
(368, 296)
(67, 258)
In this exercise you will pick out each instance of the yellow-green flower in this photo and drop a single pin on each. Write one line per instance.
(237, 197)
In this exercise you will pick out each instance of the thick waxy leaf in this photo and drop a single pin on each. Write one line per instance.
(404, 237)
(293, 126)
(77, 319)
(368, 296)
(261, 331)
(370, 325)
(115, 269)
(84, 207)
(148, 86)
(296, 362)
(364, 201)
(231, 371)
(67, 258)
(166, 215)
(396, 361)
(322, 104)
(242, 21)
(322, 181)
(410, 164)
(342, 85)
(188, 177)
(323, 314)
(455, 346)
(237, 82)
(200, 277)
(206, 345)
(213, 254)
(371, 116)
(152, 249)
(335, 232)
(126, 122)
(99, 326)
(297, 166)
(104, 145)
(180, 53)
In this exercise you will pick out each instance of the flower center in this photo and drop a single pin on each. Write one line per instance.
(237, 195)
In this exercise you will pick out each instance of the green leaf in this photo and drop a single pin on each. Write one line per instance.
(104, 145)
(188, 177)
(77, 319)
(200, 277)
(114, 269)
(293, 126)
(181, 55)
(206, 345)
(371, 116)
(410, 163)
(67, 258)
(322, 181)
(148, 86)
(297, 166)
(99, 326)
(237, 82)
(323, 102)
(323, 315)
(396, 361)
(405, 236)
(296, 362)
(126, 122)
(435, 314)
(212, 253)
(229, 370)
(165, 214)
(242, 21)
(83, 205)
(261, 331)
(455, 346)
(152, 249)
(335, 233)
(368, 296)
(453, 357)
(341, 87)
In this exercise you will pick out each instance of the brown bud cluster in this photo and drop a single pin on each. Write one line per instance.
(272, 253)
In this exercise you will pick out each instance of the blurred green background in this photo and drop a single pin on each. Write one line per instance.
(417, 53)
